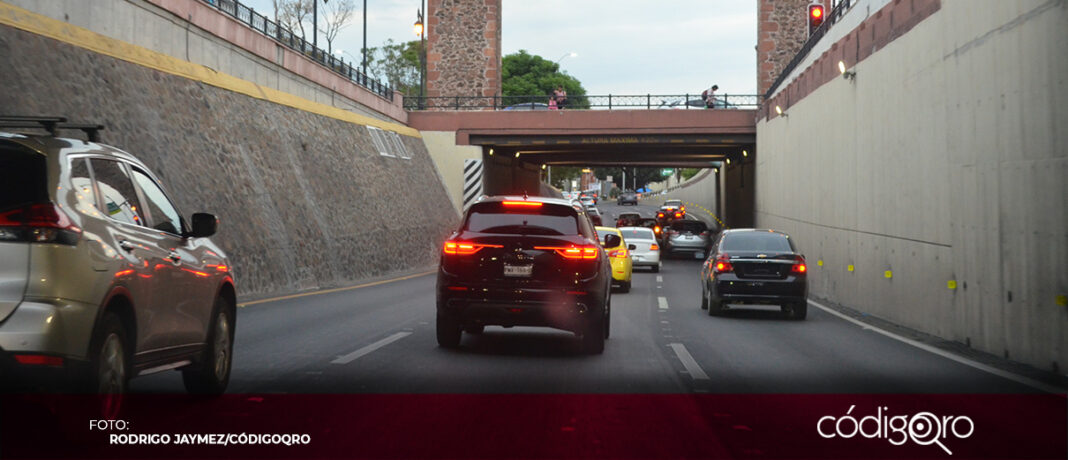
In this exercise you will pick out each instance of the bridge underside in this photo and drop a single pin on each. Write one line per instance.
(649, 150)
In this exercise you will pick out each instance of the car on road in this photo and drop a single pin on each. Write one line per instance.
(627, 198)
(622, 266)
(644, 248)
(671, 209)
(594, 214)
(101, 277)
(525, 261)
(653, 224)
(751, 266)
(628, 219)
(587, 200)
(687, 236)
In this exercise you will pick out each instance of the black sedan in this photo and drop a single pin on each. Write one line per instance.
(519, 261)
(750, 266)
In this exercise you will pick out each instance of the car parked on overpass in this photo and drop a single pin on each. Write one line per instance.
(750, 266)
(103, 279)
(525, 261)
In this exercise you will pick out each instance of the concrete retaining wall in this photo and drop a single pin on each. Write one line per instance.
(932, 187)
(196, 32)
(305, 200)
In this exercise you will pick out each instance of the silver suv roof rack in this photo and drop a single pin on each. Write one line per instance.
(50, 124)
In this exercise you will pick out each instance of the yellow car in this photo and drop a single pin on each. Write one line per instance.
(620, 257)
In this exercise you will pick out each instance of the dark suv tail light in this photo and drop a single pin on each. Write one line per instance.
(572, 252)
(799, 268)
(464, 248)
(38, 223)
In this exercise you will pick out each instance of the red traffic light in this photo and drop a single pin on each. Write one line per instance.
(815, 17)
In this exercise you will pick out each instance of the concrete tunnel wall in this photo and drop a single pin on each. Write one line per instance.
(932, 188)
(305, 198)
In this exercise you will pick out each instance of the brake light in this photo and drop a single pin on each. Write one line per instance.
(723, 264)
(654, 247)
(528, 204)
(656, 229)
(678, 215)
(463, 248)
(572, 252)
(799, 268)
(38, 223)
(619, 253)
(659, 215)
(39, 360)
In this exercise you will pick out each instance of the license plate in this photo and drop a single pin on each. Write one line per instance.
(521, 271)
(698, 255)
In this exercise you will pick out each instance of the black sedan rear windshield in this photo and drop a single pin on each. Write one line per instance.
(547, 219)
(756, 241)
(23, 178)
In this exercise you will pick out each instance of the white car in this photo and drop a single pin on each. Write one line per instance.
(646, 252)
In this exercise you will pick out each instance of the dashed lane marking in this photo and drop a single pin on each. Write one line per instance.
(662, 302)
(659, 279)
(370, 348)
(688, 362)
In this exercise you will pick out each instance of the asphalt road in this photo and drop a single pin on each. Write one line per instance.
(380, 339)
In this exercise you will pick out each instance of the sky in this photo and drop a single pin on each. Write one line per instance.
(622, 46)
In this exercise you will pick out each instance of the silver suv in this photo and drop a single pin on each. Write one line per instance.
(101, 278)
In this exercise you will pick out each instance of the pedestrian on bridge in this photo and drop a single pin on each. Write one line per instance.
(560, 96)
(709, 97)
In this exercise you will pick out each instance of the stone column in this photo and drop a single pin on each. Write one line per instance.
(464, 48)
(782, 28)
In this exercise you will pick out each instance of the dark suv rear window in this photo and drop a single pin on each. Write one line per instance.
(23, 178)
(756, 241)
(695, 226)
(548, 219)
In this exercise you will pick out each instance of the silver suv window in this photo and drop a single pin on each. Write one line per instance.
(120, 200)
(162, 214)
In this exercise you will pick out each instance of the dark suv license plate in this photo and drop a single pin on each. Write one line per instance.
(518, 271)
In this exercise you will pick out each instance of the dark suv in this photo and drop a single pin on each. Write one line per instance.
(755, 266)
(101, 277)
(519, 261)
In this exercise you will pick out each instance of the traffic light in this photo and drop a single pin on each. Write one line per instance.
(815, 17)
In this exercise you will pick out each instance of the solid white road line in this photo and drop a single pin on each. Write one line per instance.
(688, 362)
(368, 349)
(945, 354)
(659, 279)
(662, 302)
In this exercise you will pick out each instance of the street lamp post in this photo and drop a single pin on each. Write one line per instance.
(571, 54)
(363, 52)
(420, 27)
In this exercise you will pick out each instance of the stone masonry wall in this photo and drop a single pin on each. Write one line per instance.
(464, 48)
(782, 29)
(305, 201)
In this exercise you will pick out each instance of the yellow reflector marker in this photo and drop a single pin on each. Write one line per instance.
(819, 262)
(1062, 300)
(952, 284)
(849, 268)
(888, 274)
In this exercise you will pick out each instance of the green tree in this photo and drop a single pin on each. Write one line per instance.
(530, 78)
(397, 64)
(638, 176)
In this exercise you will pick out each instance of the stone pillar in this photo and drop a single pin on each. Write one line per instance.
(782, 28)
(463, 48)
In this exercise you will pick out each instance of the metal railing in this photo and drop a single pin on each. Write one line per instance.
(295, 42)
(610, 102)
(833, 17)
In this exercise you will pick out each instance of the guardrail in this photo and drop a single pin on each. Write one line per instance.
(286, 37)
(609, 102)
(833, 17)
